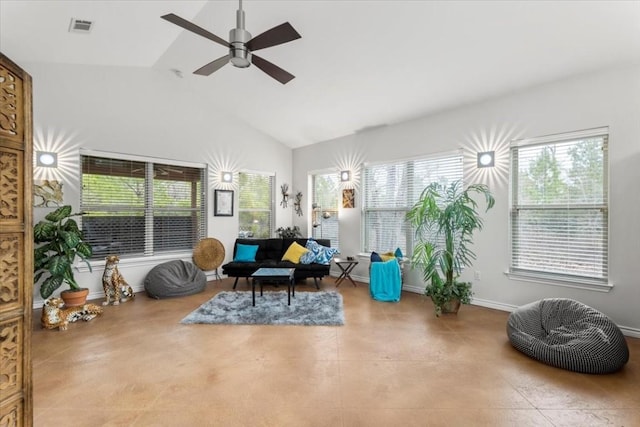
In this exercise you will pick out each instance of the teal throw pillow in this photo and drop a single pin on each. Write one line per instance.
(398, 253)
(246, 253)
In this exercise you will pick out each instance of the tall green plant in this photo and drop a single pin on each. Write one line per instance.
(60, 242)
(445, 218)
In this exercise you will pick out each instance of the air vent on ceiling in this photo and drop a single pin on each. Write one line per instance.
(80, 26)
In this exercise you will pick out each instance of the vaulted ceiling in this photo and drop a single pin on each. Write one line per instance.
(359, 64)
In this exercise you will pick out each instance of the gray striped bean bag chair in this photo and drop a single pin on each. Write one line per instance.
(568, 334)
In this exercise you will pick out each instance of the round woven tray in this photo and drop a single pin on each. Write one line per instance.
(208, 254)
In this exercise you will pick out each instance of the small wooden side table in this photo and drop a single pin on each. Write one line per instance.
(346, 266)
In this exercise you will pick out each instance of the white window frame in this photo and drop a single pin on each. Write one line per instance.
(413, 193)
(318, 231)
(149, 256)
(517, 271)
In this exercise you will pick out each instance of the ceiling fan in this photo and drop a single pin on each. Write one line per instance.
(241, 45)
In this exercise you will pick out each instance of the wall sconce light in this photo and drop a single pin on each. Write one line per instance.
(46, 159)
(227, 177)
(345, 176)
(487, 159)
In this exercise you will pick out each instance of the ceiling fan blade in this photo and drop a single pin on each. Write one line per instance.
(273, 70)
(212, 66)
(175, 19)
(283, 33)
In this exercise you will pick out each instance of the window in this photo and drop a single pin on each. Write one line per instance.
(135, 207)
(255, 207)
(325, 199)
(390, 189)
(559, 212)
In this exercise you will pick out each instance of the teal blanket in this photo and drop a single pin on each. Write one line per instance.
(385, 281)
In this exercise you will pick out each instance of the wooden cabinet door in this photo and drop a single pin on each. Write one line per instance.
(16, 245)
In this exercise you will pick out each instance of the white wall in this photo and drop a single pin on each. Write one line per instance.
(150, 113)
(607, 98)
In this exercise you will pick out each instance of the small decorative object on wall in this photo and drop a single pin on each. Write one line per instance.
(284, 188)
(223, 203)
(348, 198)
(55, 316)
(47, 193)
(116, 289)
(297, 204)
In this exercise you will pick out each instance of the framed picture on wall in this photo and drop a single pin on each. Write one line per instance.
(348, 198)
(223, 202)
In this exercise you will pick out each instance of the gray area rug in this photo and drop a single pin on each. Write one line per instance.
(307, 308)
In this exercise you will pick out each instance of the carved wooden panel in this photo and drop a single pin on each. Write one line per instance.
(11, 106)
(11, 188)
(11, 344)
(16, 245)
(12, 414)
(11, 256)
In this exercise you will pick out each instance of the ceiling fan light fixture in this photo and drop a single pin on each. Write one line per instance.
(241, 45)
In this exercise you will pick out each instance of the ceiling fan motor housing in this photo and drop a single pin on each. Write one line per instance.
(238, 52)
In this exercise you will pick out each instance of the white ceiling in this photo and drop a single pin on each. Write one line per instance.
(359, 64)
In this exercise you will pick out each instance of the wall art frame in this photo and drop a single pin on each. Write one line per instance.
(222, 202)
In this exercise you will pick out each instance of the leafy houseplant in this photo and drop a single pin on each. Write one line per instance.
(60, 241)
(444, 219)
(289, 232)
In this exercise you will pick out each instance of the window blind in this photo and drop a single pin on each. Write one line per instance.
(255, 205)
(559, 212)
(326, 198)
(390, 189)
(137, 208)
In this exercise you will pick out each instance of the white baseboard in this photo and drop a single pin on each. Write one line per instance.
(626, 330)
(94, 295)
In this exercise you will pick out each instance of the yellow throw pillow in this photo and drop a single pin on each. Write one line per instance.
(294, 253)
(387, 256)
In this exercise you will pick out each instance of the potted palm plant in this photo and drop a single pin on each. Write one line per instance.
(59, 241)
(445, 218)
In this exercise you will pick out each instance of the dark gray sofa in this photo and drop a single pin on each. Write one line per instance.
(269, 255)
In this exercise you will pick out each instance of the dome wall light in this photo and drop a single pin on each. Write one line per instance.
(46, 159)
(345, 176)
(487, 159)
(226, 177)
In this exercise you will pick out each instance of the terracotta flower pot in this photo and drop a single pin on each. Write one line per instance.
(73, 298)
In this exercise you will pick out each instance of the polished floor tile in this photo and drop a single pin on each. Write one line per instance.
(391, 364)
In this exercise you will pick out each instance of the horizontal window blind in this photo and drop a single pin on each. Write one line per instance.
(326, 199)
(559, 213)
(178, 207)
(255, 205)
(390, 189)
(136, 208)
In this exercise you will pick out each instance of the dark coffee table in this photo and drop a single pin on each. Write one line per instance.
(273, 276)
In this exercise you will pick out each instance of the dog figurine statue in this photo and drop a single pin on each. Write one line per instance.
(116, 289)
(55, 316)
